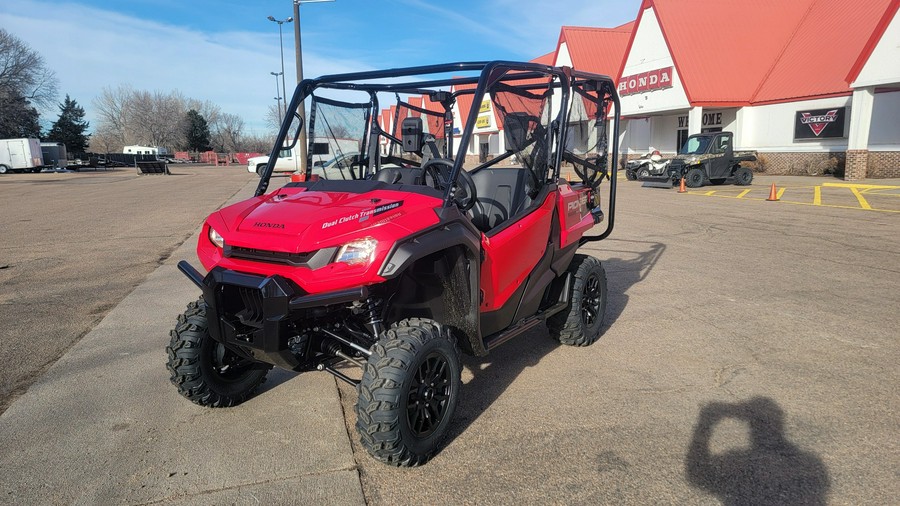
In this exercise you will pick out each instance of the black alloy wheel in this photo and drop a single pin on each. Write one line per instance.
(743, 176)
(226, 364)
(408, 392)
(591, 299)
(694, 178)
(429, 395)
(205, 371)
(581, 322)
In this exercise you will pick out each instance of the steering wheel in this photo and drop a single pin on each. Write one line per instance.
(439, 180)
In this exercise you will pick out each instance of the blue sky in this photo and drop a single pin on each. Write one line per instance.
(223, 50)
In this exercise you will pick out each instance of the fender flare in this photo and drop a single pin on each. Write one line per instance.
(454, 231)
(444, 236)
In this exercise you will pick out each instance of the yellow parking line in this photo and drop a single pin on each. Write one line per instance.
(862, 200)
(860, 186)
(841, 207)
(891, 192)
(817, 196)
(711, 193)
(741, 195)
(780, 193)
(858, 208)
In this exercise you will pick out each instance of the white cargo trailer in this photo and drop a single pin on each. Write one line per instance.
(20, 155)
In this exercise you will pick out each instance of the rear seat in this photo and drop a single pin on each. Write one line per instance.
(501, 194)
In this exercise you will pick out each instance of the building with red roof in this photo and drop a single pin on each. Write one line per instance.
(689, 69)
(598, 50)
(809, 84)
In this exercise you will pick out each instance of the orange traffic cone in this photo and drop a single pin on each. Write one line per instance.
(681, 188)
(773, 196)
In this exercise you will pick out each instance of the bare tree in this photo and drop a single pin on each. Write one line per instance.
(128, 116)
(229, 132)
(113, 114)
(104, 140)
(257, 144)
(158, 117)
(23, 73)
(273, 118)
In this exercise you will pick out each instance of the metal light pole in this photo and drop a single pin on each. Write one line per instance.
(278, 94)
(281, 47)
(301, 111)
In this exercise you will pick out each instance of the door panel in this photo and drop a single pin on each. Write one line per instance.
(511, 254)
(719, 165)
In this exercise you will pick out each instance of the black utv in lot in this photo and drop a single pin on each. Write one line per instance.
(705, 158)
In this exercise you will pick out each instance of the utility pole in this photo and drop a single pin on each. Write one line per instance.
(281, 47)
(301, 110)
(278, 95)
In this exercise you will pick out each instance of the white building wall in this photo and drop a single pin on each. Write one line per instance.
(882, 66)
(664, 133)
(771, 127)
(562, 56)
(650, 52)
(562, 59)
(635, 138)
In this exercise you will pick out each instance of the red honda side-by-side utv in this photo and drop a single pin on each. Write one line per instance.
(431, 241)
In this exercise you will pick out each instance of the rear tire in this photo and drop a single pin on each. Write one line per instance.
(408, 393)
(580, 323)
(630, 175)
(643, 173)
(743, 176)
(4, 169)
(205, 371)
(694, 178)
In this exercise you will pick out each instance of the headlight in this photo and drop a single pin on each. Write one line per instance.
(360, 251)
(216, 239)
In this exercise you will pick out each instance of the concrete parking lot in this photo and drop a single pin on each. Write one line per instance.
(749, 357)
(75, 244)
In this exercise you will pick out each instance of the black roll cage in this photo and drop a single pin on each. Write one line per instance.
(566, 79)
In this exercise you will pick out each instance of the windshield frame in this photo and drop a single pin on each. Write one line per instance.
(703, 141)
(486, 75)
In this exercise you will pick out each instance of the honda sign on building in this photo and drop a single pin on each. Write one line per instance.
(657, 79)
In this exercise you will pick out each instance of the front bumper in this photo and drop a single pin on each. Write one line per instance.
(258, 314)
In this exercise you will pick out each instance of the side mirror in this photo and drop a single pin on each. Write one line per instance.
(411, 131)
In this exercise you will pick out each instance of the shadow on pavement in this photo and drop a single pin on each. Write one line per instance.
(771, 471)
(493, 374)
(635, 262)
(276, 377)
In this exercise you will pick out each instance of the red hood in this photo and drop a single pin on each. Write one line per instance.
(295, 220)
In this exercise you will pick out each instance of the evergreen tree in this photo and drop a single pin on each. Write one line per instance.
(17, 117)
(196, 132)
(70, 127)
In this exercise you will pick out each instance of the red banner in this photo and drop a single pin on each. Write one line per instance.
(647, 81)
